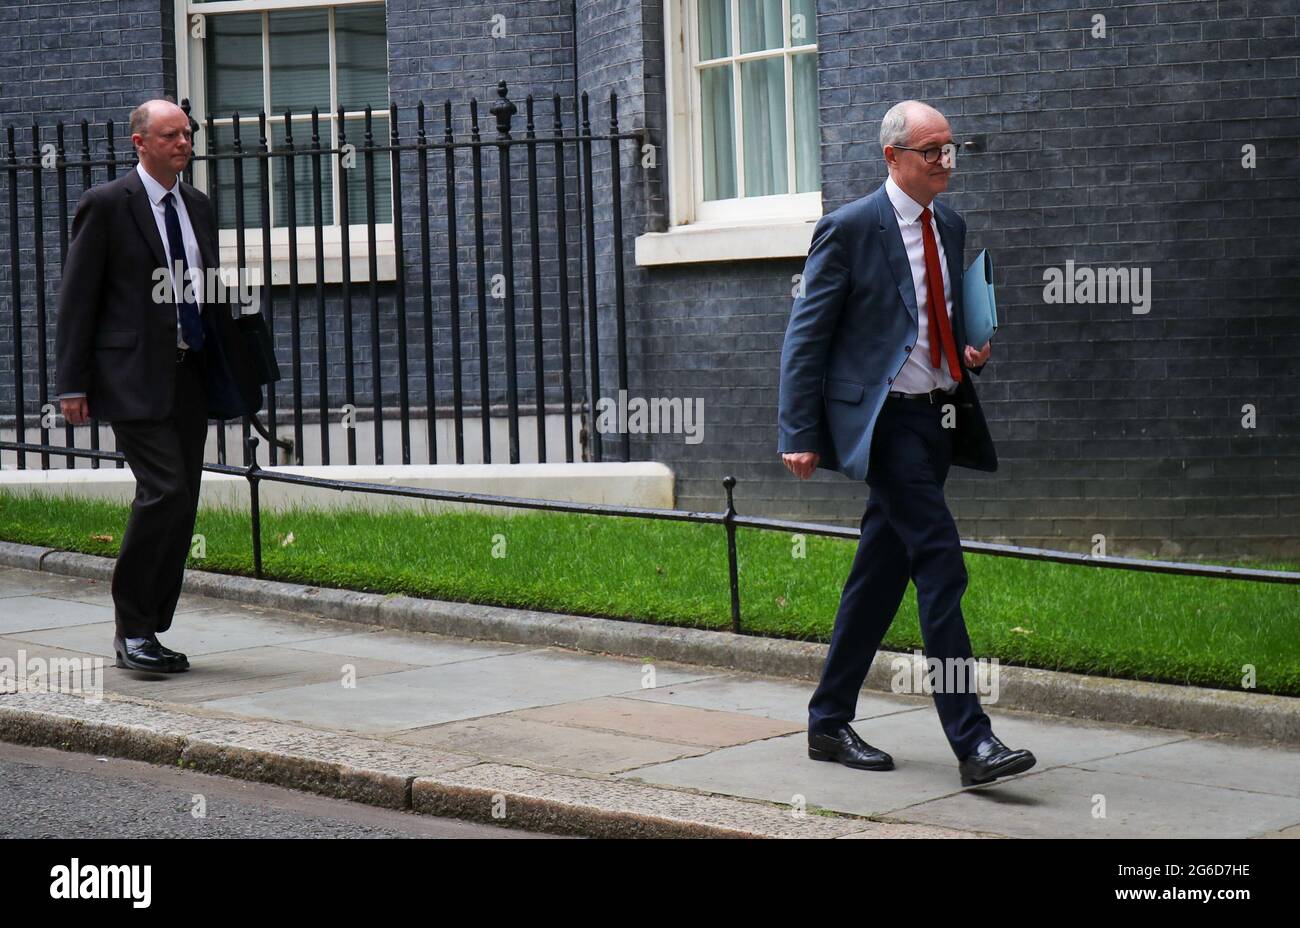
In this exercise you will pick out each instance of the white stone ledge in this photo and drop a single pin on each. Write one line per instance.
(732, 241)
(646, 484)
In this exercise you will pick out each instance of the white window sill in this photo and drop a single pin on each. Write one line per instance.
(726, 241)
(359, 249)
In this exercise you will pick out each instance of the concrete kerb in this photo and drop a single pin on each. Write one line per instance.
(1196, 709)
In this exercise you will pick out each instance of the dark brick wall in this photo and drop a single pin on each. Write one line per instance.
(448, 52)
(69, 61)
(1123, 151)
(83, 60)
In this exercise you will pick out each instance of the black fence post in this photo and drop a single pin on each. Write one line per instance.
(534, 241)
(38, 278)
(589, 233)
(562, 259)
(16, 283)
(480, 273)
(729, 520)
(620, 304)
(68, 435)
(453, 283)
(264, 294)
(399, 266)
(426, 275)
(252, 472)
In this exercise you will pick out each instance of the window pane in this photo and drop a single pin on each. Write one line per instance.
(233, 53)
(356, 129)
(760, 25)
(361, 49)
(718, 133)
(300, 61)
(762, 106)
(714, 28)
(303, 198)
(807, 143)
(221, 175)
(803, 22)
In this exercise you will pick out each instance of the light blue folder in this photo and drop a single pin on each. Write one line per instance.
(980, 308)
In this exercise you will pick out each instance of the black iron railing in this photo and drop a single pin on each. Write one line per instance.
(729, 519)
(426, 170)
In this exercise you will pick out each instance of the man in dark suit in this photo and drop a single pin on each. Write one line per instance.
(155, 358)
(873, 385)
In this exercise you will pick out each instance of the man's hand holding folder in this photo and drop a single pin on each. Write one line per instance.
(980, 311)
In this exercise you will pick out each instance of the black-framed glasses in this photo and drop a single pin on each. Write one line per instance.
(932, 155)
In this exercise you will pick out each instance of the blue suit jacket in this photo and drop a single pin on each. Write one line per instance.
(850, 333)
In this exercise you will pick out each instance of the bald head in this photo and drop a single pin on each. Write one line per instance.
(143, 114)
(160, 132)
(907, 130)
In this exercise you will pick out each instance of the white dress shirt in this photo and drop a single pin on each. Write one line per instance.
(156, 192)
(917, 375)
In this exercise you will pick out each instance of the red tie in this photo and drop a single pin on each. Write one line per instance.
(936, 304)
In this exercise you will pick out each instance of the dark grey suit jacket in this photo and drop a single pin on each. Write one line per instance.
(113, 341)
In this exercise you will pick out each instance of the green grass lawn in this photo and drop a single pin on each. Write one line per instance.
(1111, 622)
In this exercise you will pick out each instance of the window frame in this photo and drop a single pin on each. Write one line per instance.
(685, 126)
(191, 80)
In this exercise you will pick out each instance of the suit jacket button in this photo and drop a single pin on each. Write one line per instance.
(890, 380)
(908, 348)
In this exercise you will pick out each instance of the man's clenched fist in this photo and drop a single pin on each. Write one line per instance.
(75, 409)
(801, 463)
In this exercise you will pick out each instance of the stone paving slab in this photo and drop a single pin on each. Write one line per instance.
(421, 650)
(251, 671)
(1204, 761)
(779, 770)
(451, 692)
(925, 768)
(512, 739)
(201, 633)
(100, 593)
(16, 582)
(683, 724)
(774, 699)
(242, 673)
(919, 736)
(1062, 802)
(63, 670)
(33, 614)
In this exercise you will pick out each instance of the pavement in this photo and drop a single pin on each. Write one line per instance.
(566, 741)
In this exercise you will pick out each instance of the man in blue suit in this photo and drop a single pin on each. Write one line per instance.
(873, 385)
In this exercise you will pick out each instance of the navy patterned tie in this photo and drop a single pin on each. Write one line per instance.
(191, 327)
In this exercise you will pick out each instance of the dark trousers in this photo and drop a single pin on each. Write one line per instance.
(166, 456)
(907, 531)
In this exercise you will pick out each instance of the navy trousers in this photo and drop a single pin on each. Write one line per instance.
(907, 531)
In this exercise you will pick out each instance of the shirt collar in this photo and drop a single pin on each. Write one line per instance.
(152, 188)
(907, 209)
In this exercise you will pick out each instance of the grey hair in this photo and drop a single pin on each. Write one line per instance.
(894, 129)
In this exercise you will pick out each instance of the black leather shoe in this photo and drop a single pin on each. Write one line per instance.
(144, 654)
(848, 749)
(176, 656)
(992, 759)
